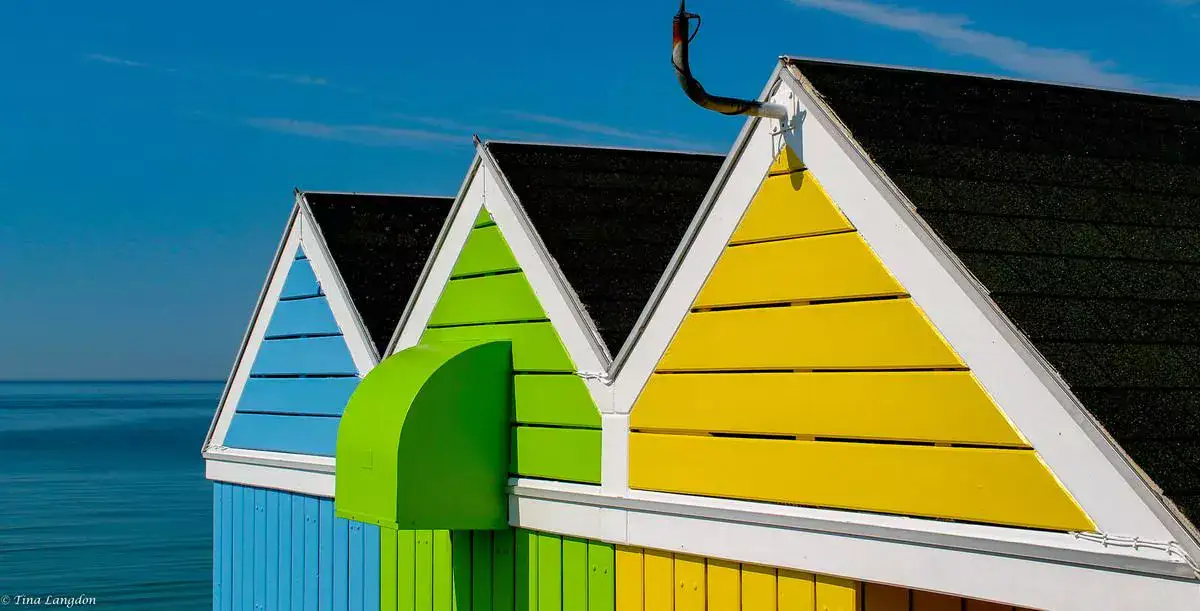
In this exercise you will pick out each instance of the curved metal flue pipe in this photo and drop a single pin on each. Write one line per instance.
(680, 38)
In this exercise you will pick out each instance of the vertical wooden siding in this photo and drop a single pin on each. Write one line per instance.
(806, 374)
(276, 550)
(301, 378)
(505, 570)
(489, 297)
(651, 580)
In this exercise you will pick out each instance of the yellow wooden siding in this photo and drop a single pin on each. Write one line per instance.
(887, 334)
(786, 162)
(759, 588)
(837, 266)
(629, 571)
(796, 591)
(690, 590)
(930, 406)
(709, 584)
(801, 341)
(788, 206)
(998, 486)
(724, 585)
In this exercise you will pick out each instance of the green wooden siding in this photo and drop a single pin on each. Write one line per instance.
(556, 453)
(483, 219)
(485, 252)
(489, 298)
(500, 570)
(486, 299)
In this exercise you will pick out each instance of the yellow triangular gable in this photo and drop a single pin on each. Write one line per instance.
(805, 374)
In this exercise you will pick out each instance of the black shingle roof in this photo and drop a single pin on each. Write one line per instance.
(1079, 210)
(380, 244)
(611, 218)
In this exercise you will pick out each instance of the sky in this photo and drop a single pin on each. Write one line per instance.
(148, 150)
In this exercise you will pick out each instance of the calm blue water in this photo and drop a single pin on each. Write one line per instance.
(102, 493)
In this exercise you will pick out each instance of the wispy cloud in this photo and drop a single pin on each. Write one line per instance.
(600, 129)
(954, 33)
(116, 61)
(369, 135)
(299, 79)
(468, 129)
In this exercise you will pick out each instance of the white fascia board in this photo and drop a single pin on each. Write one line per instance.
(287, 460)
(284, 256)
(1030, 394)
(441, 261)
(452, 236)
(734, 187)
(312, 483)
(354, 333)
(554, 293)
(1044, 575)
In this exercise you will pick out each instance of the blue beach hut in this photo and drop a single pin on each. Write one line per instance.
(337, 289)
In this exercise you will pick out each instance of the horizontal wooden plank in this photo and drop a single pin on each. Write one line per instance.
(571, 455)
(560, 400)
(882, 334)
(304, 356)
(837, 266)
(312, 435)
(786, 162)
(788, 206)
(483, 219)
(487, 299)
(309, 316)
(485, 252)
(535, 346)
(301, 281)
(307, 396)
(1008, 487)
(935, 406)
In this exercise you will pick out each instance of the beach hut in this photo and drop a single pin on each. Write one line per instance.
(926, 343)
(499, 376)
(337, 289)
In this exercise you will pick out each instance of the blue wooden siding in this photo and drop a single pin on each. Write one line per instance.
(301, 281)
(282, 551)
(301, 378)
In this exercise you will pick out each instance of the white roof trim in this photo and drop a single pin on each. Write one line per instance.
(268, 297)
(955, 304)
(484, 188)
(557, 296)
(771, 537)
(441, 261)
(429, 270)
(354, 332)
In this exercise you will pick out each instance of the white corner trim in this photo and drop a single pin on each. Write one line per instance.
(276, 278)
(614, 454)
(312, 483)
(955, 304)
(441, 261)
(362, 351)
(574, 328)
(1025, 573)
(734, 187)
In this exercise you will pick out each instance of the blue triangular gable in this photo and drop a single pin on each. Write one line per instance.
(301, 378)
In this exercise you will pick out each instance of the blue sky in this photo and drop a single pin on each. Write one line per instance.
(148, 149)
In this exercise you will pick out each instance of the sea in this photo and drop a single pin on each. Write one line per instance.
(103, 497)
